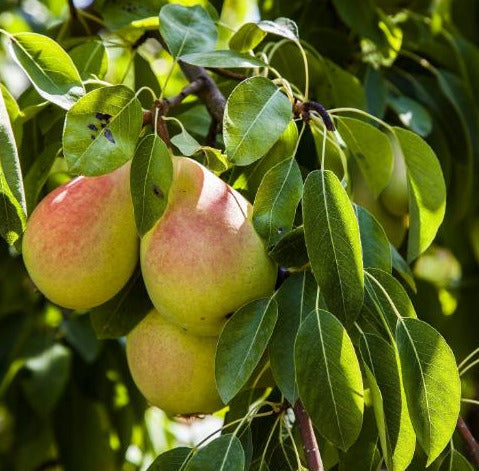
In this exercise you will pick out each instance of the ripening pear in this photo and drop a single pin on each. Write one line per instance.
(80, 245)
(394, 226)
(173, 369)
(203, 259)
(395, 197)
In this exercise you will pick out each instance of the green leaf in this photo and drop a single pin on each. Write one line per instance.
(290, 251)
(187, 30)
(333, 242)
(412, 114)
(431, 382)
(296, 298)
(50, 69)
(396, 433)
(171, 460)
(371, 150)
(222, 59)
(9, 159)
(364, 454)
(387, 298)
(79, 333)
(249, 178)
(454, 461)
(374, 241)
(48, 373)
(150, 180)
(90, 59)
(251, 127)
(186, 143)
(427, 192)
(251, 34)
(101, 130)
(329, 378)
(118, 316)
(402, 268)
(241, 345)
(225, 453)
(276, 201)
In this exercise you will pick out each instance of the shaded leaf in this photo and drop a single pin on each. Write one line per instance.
(454, 461)
(401, 266)
(276, 201)
(412, 114)
(150, 180)
(222, 58)
(251, 127)
(329, 378)
(333, 242)
(290, 251)
(241, 345)
(170, 460)
(90, 59)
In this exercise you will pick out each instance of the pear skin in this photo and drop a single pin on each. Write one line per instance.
(173, 369)
(80, 246)
(203, 259)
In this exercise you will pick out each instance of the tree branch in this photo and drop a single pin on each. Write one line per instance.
(470, 442)
(310, 444)
(228, 73)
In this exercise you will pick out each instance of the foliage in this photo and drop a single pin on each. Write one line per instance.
(322, 100)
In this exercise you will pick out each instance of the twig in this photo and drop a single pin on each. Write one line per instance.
(304, 109)
(192, 89)
(310, 444)
(72, 9)
(470, 442)
(158, 110)
(212, 132)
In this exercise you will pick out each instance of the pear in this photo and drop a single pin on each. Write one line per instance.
(394, 226)
(395, 197)
(80, 246)
(203, 259)
(173, 369)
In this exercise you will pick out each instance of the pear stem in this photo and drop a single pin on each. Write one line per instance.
(310, 444)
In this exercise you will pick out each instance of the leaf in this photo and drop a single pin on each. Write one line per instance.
(118, 316)
(9, 159)
(251, 127)
(427, 192)
(329, 378)
(251, 34)
(364, 454)
(396, 433)
(296, 298)
(290, 251)
(50, 69)
(412, 114)
(431, 382)
(403, 269)
(187, 30)
(276, 201)
(371, 150)
(222, 59)
(454, 461)
(241, 345)
(101, 130)
(186, 143)
(387, 298)
(374, 241)
(225, 453)
(79, 333)
(171, 460)
(48, 373)
(150, 180)
(90, 59)
(333, 242)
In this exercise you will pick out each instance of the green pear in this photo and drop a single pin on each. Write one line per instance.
(395, 197)
(173, 369)
(80, 246)
(203, 259)
(394, 226)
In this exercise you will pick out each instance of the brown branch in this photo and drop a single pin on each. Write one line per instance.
(470, 442)
(191, 89)
(310, 444)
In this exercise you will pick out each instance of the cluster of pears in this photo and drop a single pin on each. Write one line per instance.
(391, 208)
(200, 262)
